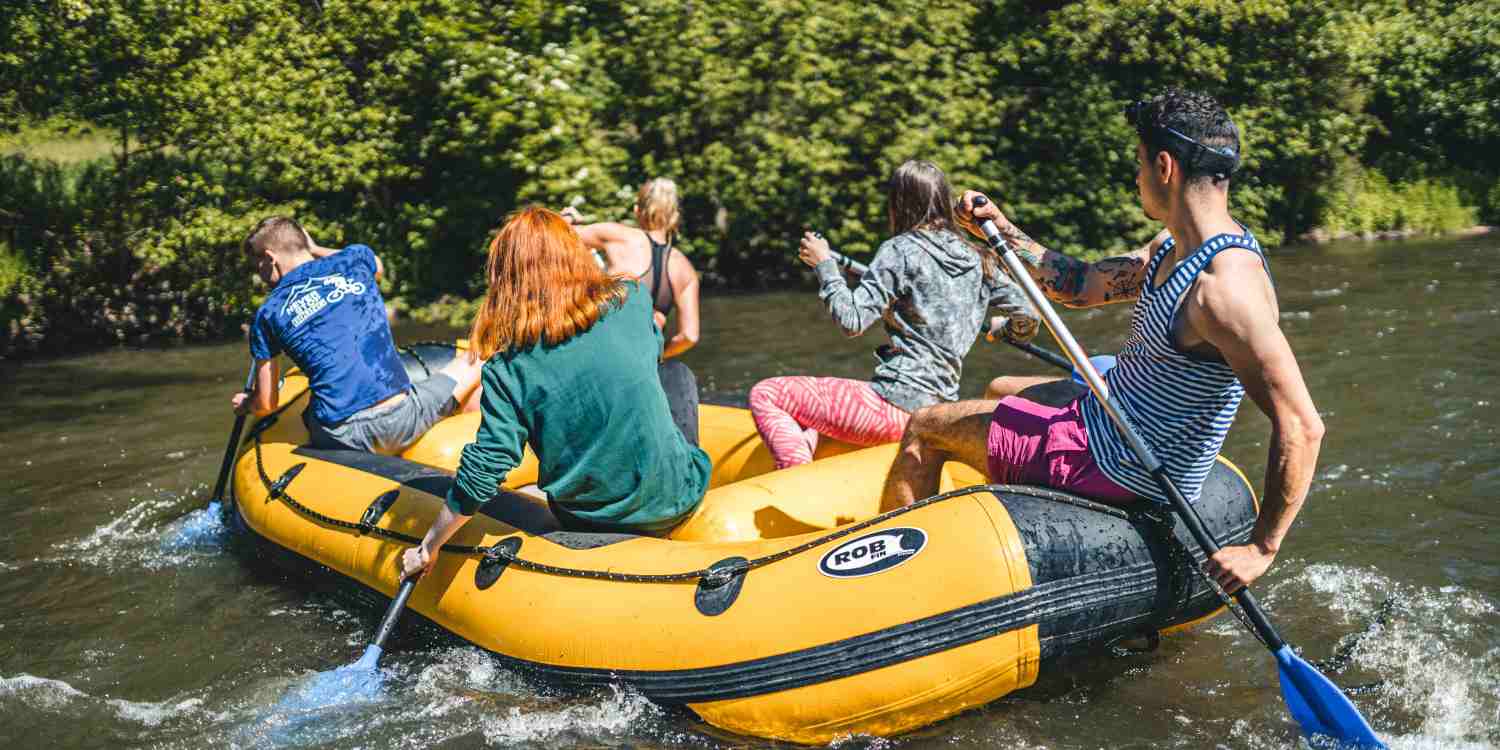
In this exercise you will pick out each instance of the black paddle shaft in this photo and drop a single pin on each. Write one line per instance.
(234, 443)
(851, 266)
(393, 614)
(1138, 446)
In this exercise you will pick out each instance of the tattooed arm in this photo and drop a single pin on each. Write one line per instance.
(1069, 281)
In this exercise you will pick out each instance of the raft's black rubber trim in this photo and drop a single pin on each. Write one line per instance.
(850, 656)
(508, 508)
(408, 473)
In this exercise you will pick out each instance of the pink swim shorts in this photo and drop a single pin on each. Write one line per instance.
(1030, 443)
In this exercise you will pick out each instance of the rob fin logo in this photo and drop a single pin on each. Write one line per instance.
(873, 553)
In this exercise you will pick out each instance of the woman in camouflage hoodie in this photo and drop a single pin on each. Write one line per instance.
(931, 288)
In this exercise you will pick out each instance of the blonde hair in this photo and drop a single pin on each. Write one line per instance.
(656, 206)
(544, 287)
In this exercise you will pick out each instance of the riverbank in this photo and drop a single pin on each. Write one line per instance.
(1321, 236)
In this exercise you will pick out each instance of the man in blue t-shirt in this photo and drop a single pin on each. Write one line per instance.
(325, 312)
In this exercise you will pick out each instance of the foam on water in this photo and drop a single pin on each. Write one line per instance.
(437, 696)
(49, 695)
(618, 712)
(138, 536)
(1438, 655)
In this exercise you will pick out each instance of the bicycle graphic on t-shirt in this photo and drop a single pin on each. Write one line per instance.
(305, 301)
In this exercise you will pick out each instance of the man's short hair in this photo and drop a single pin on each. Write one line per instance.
(1191, 127)
(280, 235)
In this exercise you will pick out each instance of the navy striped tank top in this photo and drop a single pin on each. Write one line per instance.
(1181, 404)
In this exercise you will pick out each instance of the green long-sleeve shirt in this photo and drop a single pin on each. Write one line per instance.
(593, 411)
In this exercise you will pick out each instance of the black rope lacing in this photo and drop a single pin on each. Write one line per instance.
(411, 351)
(711, 577)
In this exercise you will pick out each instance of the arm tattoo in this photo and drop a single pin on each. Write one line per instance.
(1028, 249)
(1123, 277)
(1068, 276)
(1061, 277)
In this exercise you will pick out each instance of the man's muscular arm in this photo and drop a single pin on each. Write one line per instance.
(1233, 308)
(1069, 281)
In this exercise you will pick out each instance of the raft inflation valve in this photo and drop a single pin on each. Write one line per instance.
(496, 559)
(720, 586)
(377, 508)
(279, 486)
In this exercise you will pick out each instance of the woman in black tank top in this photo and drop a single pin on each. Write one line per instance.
(656, 278)
(646, 254)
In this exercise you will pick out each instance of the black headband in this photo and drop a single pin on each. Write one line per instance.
(1196, 158)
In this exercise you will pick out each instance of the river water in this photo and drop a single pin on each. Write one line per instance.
(127, 619)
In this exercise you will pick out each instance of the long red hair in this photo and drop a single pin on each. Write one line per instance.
(544, 286)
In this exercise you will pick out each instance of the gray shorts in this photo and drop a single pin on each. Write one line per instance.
(391, 428)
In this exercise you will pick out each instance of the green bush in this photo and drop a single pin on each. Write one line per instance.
(1365, 201)
(415, 126)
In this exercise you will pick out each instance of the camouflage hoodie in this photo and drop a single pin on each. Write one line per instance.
(929, 289)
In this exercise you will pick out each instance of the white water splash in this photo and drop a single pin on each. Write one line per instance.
(617, 713)
(1438, 656)
(457, 676)
(200, 530)
(45, 694)
(137, 536)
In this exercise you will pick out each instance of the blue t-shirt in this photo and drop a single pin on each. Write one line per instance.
(329, 317)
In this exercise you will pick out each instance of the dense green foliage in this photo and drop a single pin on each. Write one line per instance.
(416, 125)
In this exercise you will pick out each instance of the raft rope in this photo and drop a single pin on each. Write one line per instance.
(712, 577)
(411, 351)
(715, 577)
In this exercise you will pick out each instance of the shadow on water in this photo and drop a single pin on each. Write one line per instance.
(69, 390)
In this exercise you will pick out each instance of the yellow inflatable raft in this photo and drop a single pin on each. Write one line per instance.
(786, 607)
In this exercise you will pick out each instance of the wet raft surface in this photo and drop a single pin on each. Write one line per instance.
(125, 622)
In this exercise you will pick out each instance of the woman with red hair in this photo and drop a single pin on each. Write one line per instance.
(570, 370)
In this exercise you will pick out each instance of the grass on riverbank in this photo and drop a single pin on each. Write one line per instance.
(1366, 202)
(58, 140)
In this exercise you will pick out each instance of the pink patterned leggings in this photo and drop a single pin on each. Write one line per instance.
(849, 410)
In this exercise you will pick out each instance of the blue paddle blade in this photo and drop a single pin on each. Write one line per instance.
(369, 660)
(1327, 717)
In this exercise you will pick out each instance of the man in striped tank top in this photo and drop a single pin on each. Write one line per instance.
(1205, 330)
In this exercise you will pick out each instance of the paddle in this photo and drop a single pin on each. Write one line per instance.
(359, 682)
(387, 624)
(234, 443)
(855, 268)
(1318, 706)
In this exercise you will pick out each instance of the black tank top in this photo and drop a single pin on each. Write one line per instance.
(661, 295)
